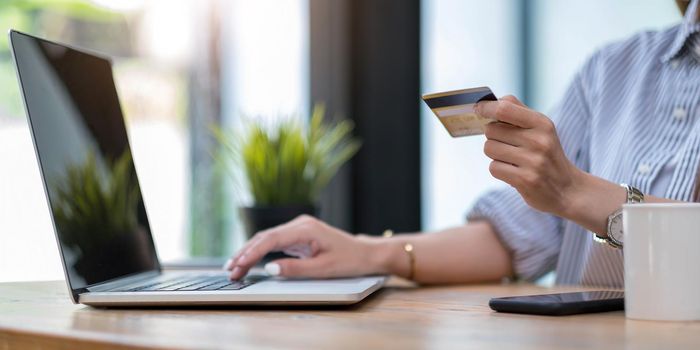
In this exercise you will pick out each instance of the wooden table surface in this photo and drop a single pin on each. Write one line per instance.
(40, 315)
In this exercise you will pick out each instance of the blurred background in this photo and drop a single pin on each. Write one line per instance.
(183, 65)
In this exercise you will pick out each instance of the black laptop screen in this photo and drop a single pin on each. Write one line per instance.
(85, 159)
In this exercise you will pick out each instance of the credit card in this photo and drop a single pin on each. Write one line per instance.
(455, 110)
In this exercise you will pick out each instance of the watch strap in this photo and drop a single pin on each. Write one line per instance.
(633, 194)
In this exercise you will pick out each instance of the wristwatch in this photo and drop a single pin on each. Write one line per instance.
(615, 235)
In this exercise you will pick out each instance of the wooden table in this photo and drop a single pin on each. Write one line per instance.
(39, 315)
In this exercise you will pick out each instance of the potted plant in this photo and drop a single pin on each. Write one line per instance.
(285, 166)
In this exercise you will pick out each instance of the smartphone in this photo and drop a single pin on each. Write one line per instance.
(561, 304)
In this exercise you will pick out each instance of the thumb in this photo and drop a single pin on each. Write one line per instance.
(291, 267)
(513, 99)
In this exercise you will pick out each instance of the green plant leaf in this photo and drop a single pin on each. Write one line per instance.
(286, 164)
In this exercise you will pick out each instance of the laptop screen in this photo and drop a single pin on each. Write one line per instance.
(84, 155)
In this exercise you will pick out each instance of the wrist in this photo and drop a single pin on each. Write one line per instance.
(591, 201)
(387, 256)
(574, 198)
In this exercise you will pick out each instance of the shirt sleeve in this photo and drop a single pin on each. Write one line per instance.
(533, 238)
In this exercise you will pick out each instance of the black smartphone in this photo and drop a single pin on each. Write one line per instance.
(561, 304)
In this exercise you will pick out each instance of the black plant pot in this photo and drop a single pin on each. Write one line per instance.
(259, 218)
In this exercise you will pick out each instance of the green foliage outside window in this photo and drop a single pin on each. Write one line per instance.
(28, 16)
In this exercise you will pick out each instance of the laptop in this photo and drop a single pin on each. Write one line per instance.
(95, 201)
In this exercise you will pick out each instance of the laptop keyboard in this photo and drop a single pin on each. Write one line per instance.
(192, 283)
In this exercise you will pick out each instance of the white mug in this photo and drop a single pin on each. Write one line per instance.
(662, 261)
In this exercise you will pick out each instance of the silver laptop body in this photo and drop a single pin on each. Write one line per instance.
(97, 210)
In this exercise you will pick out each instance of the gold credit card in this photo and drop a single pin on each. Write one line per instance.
(455, 110)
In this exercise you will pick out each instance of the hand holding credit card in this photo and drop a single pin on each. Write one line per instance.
(455, 110)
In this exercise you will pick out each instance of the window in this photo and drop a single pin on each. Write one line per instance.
(150, 45)
(179, 66)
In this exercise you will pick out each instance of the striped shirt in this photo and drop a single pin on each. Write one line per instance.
(630, 116)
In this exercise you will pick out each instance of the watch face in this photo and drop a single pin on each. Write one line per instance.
(615, 227)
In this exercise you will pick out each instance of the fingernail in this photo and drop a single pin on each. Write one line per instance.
(272, 269)
(227, 265)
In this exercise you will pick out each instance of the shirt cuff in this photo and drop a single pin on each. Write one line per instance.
(532, 238)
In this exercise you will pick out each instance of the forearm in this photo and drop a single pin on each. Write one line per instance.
(469, 253)
(593, 199)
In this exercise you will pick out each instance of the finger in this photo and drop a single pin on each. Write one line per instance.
(505, 133)
(228, 265)
(505, 172)
(233, 261)
(277, 240)
(507, 112)
(238, 273)
(512, 99)
(246, 247)
(273, 268)
(256, 238)
(312, 268)
(300, 250)
(503, 152)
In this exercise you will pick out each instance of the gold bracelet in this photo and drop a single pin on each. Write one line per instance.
(408, 248)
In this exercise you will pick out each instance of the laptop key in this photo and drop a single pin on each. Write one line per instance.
(193, 283)
(236, 285)
(180, 285)
(150, 285)
(140, 288)
(165, 284)
(197, 286)
(216, 286)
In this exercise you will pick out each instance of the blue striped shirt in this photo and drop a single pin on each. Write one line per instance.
(630, 116)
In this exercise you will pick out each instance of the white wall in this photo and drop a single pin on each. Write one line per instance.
(464, 44)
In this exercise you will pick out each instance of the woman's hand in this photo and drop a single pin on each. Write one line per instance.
(527, 155)
(323, 251)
